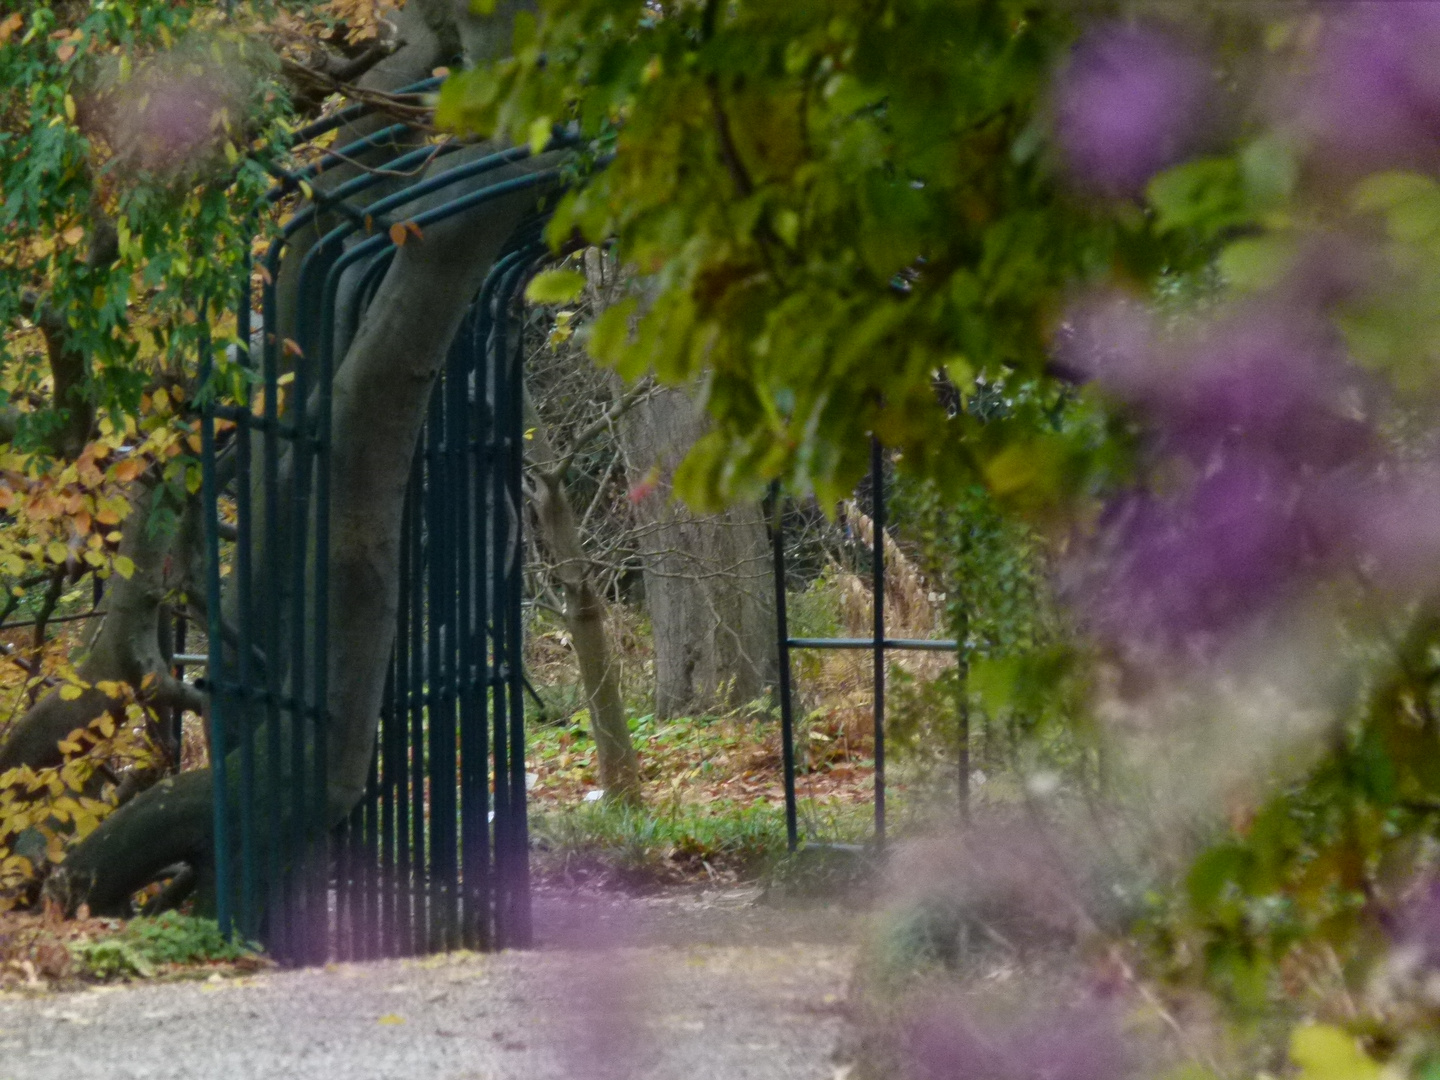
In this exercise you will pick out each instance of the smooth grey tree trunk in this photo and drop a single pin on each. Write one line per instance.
(709, 584)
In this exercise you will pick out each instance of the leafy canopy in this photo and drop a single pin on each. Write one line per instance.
(840, 202)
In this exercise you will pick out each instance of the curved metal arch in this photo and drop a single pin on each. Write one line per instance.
(427, 861)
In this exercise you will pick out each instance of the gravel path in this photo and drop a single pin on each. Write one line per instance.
(689, 988)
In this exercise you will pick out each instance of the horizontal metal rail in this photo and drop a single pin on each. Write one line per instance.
(910, 644)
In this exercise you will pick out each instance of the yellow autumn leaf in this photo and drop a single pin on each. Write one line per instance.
(70, 692)
(124, 566)
(58, 552)
(390, 1020)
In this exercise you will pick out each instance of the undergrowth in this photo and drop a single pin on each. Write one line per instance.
(718, 841)
(147, 944)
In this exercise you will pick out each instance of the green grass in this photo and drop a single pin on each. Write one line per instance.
(640, 845)
(679, 841)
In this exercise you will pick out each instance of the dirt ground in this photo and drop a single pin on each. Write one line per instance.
(685, 985)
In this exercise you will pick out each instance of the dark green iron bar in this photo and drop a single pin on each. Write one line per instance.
(878, 644)
(900, 644)
(424, 862)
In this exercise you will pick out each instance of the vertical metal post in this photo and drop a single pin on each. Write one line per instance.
(219, 779)
(877, 536)
(467, 390)
(280, 795)
(962, 711)
(499, 610)
(782, 632)
(398, 746)
(479, 879)
(518, 883)
(419, 863)
(249, 907)
(177, 717)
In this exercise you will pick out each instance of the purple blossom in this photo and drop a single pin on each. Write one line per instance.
(1270, 378)
(1079, 1042)
(1010, 867)
(1374, 98)
(1416, 926)
(1197, 563)
(1258, 441)
(172, 118)
(1131, 101)
(1398, 527)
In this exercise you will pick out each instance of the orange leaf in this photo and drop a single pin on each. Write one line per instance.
(9, 25)
(292, 348)
(82, 523)
(127, 470)
(397, 234)
(65, 52)
(415, 230)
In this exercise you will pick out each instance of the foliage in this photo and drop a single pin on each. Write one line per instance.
(836, 201)
(147, 944)
(125, 214)
(42, 810)
(1200, 249)
(110, 958)
(173, 938)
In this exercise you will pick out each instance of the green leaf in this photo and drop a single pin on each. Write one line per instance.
(1410, 204)
(1205, 195)
(611, 331)
(1326, 1052)
(555, 287)
(1256, 262)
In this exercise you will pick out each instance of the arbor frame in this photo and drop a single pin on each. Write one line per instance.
(427, 860)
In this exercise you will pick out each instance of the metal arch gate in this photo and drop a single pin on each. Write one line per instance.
(428, 860)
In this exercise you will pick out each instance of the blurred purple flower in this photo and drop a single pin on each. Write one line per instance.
(1417, 924)
(1109, 339)
(1082, 1042)
(173, 117)
(1270, 378)
(1256, 427)
(1130, 102)
(1398, 527)
(1015, 869)
(1197, 563)
(1374, 98)
(596, 996)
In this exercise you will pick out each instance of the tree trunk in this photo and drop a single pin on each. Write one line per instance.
(380, 394)
(584, 616)
(709, 584)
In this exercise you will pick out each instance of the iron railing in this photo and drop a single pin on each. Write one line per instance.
(427, 860)
(879, 644)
